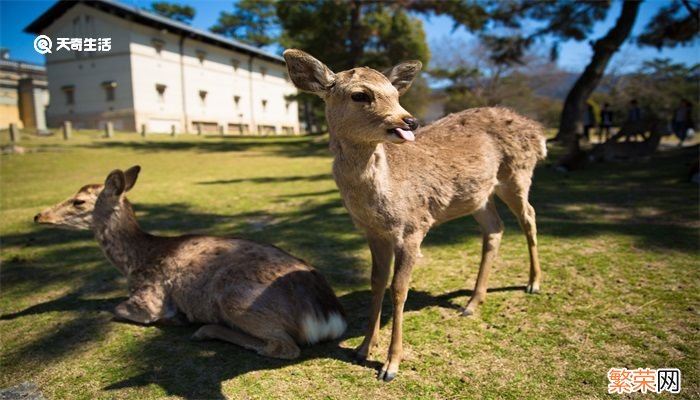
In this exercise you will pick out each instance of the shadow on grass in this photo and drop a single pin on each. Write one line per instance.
(41, 236)
(73, 301)
(272, 179)
(303, 146)
(71, 254)
(211, 363)
(193, 369)
(89, 326)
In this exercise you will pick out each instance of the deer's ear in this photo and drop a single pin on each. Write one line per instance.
(402, 75)
(115, 183)
(307, 73)
(130, 177)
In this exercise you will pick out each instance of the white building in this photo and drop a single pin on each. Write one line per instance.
(24, 94)
(160, 73)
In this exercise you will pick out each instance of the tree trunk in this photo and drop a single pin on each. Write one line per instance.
(603, 50)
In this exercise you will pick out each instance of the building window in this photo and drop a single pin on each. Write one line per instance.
(200, 56)
(235, 63)
(236, 101)
(203, 96)
(264, 105)
(263, 71)
(286, 106)
(109, 87)
(69, 92)
(158, 44)
(267, 129)
(161, 92)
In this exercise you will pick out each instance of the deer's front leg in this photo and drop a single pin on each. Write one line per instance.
(406, 255)
(382, 252)
(145, 306)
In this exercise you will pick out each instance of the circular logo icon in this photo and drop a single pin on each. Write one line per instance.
(42, 44)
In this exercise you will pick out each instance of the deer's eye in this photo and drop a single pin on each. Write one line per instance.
(78, 203)
(360, 97)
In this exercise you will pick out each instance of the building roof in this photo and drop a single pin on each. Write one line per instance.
(147, 18)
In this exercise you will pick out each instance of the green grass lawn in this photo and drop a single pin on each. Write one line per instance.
(618, 244)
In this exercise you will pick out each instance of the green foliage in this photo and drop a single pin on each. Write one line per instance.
(501, 24)
(473, 79)
(321, 28)
(342, 34)
(462, 92)
(324, 28)
(473, 15)
(252, 21)
(676, 24)
(658, 86)
(178, 12)
(396, 37)
(470, 88)
(558, 20)
(348, 34)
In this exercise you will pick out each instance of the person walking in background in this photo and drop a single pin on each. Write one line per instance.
(588, 120)
(634, 113)
(633, 125)
(606, 121)
(683, 120)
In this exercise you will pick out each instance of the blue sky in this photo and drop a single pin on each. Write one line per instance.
(16, 15)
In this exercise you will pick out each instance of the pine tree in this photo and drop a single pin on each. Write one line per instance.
(180, 13)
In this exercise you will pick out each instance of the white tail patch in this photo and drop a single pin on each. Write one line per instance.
(316, 330)
(544, 148)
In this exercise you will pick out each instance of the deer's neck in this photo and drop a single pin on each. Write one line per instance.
(362, 165)
(121, 239)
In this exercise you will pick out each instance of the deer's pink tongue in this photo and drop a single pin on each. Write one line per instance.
(405, 135)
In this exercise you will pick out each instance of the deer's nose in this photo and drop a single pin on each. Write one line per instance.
(411, 122)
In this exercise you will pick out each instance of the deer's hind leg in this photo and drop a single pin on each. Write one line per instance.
(280, 346)
(515, 194)
(492, 231)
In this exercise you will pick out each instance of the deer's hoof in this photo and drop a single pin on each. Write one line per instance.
(532, 288)
(386, 375)
(466, 312)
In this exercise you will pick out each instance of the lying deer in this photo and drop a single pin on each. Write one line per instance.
(397, 184)
(254, 295)
(646, 128)
(612, 150)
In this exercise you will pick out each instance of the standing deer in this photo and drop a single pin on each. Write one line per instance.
(397, 184)
(254, 295)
